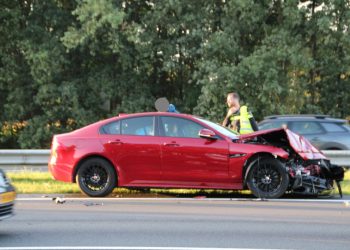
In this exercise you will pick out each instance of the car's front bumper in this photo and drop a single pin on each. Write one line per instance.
(7, 200)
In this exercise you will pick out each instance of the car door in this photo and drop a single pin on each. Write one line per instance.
(337, 137)
(135, 150)
(187, 159)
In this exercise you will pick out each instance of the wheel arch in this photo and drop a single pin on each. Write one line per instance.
(87, 157)
(251, 161)
(333, 146)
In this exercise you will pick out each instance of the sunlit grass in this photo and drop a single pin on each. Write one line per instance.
(39, 182)
(42, 183)
(346, 183)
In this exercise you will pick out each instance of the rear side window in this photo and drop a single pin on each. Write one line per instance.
(332, 127)
(179, 127)
(306, 127)
(347, 127)
(138, 126)
(112, 128)
(271, 125)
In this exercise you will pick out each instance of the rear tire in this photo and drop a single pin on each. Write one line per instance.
(96, 177)
(268, 178)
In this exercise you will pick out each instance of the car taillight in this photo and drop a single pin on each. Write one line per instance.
(54, 147)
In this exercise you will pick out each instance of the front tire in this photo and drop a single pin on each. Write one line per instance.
(96, 177)
(268, 178)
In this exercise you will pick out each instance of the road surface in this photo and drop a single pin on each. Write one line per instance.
(181, 223)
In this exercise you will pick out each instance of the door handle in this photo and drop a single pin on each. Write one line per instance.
(171, 144)
(117, 141)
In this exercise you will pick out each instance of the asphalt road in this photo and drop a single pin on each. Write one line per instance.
(182, 223)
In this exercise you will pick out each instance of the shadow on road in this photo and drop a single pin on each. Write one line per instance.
(195, 194)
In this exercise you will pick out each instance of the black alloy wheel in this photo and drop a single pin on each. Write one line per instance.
(96, 177)
(268, 178)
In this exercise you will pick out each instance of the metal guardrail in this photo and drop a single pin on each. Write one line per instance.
(40, 157)
(338, 157)
(23, 157)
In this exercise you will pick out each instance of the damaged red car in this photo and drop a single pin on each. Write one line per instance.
(169, 150)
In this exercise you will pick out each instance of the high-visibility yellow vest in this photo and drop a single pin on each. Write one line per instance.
(243, 117)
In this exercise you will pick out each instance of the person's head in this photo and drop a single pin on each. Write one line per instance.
(232, 100)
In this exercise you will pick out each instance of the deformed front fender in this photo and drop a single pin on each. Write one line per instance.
(275, 153)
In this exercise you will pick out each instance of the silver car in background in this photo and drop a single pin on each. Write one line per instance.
(322, 131)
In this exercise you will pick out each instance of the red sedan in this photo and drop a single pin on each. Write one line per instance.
(171, 150)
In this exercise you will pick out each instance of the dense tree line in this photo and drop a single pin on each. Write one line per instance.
(64, 64)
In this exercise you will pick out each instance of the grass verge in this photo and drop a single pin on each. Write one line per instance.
(42, 183)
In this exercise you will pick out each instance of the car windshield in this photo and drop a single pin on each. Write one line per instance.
(220, 129)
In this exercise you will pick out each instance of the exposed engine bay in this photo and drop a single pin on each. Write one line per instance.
(310, 172)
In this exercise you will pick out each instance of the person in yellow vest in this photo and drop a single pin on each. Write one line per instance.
(238, 118)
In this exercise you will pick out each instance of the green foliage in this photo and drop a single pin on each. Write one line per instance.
(65, 64)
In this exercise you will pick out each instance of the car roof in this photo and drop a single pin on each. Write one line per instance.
(94, 127)
(307, 117)
(122, 115)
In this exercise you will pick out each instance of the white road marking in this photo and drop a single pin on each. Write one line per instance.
(126, 248)
(183, 199)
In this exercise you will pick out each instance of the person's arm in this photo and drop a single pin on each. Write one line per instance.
(253, 124)
(227, 121)
(236, 126)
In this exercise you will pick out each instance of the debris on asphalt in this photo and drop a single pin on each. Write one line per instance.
(262, 199)
(346, 204)
(58, 200)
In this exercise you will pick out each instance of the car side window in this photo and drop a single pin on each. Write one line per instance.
(138, 126)
(306, 127)
(332, 127)
(112, 128)
(271, 125)
(179, 127)
(346, 126)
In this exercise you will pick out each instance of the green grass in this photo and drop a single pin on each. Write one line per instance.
(346, 183)
(39, 182)
(42, 183)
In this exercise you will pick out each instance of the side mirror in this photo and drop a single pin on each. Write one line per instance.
(207, 134)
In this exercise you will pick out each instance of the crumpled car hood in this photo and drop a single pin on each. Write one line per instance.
(299, 143)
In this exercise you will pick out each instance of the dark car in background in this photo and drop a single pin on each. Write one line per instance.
(7, 197)
(322, 131)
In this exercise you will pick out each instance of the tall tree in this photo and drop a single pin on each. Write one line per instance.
(65, 64)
